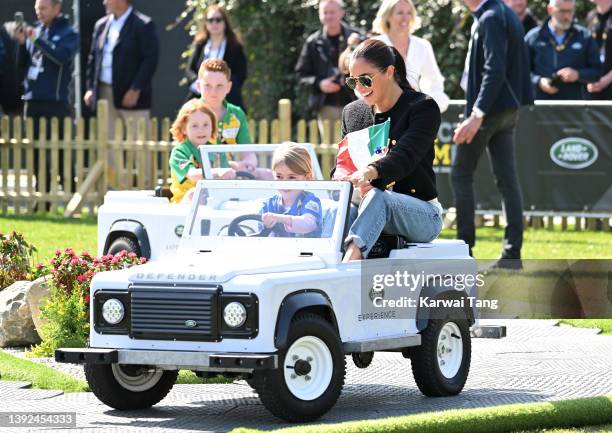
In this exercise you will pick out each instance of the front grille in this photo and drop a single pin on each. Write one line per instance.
(174, 313)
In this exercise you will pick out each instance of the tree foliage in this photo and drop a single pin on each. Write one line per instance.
(273, 32)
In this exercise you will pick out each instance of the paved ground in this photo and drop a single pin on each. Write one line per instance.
(536, 362)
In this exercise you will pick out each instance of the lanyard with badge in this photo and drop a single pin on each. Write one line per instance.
(37, 57)
(563, 45)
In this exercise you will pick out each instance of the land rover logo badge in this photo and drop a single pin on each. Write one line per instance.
(178, 230)
(376, 293)
(191, 323)
(574, 153)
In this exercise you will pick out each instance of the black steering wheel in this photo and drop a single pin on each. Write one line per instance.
(244, 175)
(234, 228)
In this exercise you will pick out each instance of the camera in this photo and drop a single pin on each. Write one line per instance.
(556, 80)
(18, 20)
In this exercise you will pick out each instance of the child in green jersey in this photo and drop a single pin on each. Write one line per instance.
(194, 126)
(214, 85)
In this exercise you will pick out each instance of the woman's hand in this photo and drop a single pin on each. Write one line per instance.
(362, 178)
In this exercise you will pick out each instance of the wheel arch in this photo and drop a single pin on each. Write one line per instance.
(307, 300)
(132, 229)
(439, 292)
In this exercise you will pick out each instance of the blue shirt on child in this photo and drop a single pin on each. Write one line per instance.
(305, 203)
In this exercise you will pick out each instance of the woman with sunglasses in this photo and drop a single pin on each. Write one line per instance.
(398, 190)
(217, 40)
(395, 21)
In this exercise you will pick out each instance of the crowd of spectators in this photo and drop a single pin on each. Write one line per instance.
(567, 60)
(512, 57)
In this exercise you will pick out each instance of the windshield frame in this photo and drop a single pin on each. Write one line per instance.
(300, 245)
(209, 149)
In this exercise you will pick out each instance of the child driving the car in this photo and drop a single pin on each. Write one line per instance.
(292, 213)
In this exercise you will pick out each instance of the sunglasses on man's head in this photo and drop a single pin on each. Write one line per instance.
(364, 80)
(214, 20)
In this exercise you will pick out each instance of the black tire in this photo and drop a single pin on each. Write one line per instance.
(271, 384)
(110, 391)
(425, 363)
(251, 382)
(126, 243)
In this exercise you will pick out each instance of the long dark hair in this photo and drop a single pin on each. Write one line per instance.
(382, 56)
(202, 35)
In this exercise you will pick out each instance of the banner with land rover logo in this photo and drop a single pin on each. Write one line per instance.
(574, 153)
(563, 158)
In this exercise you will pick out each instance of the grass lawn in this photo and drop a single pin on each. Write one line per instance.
(529, 417)
(49, 233)
(604, 324)
(590, 429)
(44, 377)
(41, 376)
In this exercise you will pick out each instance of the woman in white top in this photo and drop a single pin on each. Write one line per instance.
(395, 21)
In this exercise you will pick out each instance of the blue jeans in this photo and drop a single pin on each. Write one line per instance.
(393, 213)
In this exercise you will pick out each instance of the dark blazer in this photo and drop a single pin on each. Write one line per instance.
(498, 78)
(314, 65)
(580, 53)
(235, 59)
(415, 120)
(135, 59)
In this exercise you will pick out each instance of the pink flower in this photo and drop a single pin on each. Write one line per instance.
(74, 261)
(86, 298)
(81, 278)
(39, 266)
(143, 260)
(132, 255)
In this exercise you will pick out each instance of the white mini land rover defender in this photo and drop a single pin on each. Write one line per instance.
(278, 310)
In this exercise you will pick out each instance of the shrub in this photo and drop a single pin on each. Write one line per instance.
(15, 259)
(67, 306)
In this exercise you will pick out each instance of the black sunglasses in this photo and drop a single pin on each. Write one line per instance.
(364, 80)
(214, 20)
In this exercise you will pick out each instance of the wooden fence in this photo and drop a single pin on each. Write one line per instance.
(140, 155)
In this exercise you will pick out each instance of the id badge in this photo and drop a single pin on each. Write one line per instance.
(33, 72)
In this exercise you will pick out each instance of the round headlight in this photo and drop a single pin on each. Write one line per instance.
(234, 314)
(113, 311)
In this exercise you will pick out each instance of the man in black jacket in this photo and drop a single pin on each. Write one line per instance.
(317, 65)
(122, 61)
(11, 71)
(497, 85)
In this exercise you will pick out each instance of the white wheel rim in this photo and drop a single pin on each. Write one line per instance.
(449, 350)
(144, 381)
(315, 352)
